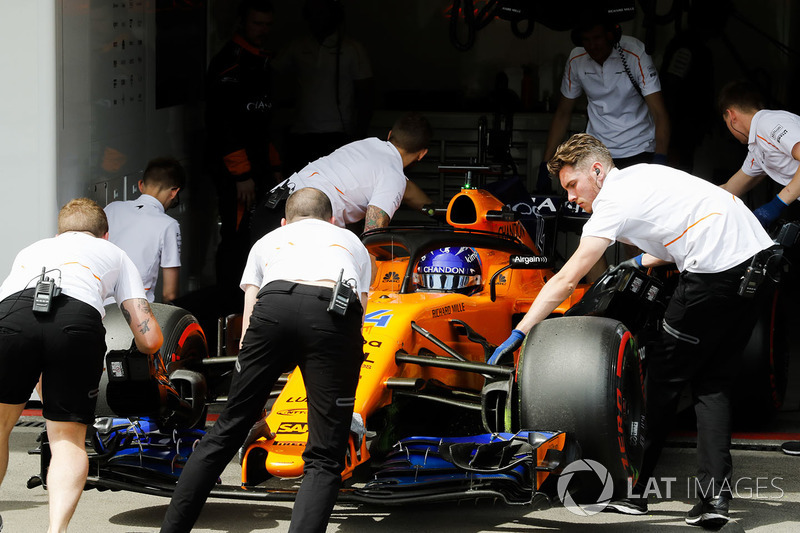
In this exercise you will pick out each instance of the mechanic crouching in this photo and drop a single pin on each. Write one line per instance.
(51, 312)
(291, 319)
(712, 237)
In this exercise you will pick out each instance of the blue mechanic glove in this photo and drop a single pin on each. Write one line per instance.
(659, 159)
(769, 212)
(635, 262)
(509, 345)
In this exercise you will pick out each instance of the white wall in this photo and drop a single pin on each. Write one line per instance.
(79, 117)
(28, 204)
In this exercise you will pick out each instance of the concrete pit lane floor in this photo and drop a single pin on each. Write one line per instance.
(766, 484)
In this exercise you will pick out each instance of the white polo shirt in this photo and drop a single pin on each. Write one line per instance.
(676, 217)
(773, 135)
(88, 269)
(357, 175)
(618, 116)
(308, 250)
(149, 236)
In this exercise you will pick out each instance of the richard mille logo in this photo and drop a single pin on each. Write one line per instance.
(391, 277)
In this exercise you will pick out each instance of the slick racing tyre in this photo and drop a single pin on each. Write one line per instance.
(764, 371)
(184, 343)
(582, 375)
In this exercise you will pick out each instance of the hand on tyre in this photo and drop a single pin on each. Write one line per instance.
(769, 212)
(509, 345)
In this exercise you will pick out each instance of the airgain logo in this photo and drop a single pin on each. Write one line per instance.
(391, 277)
(584, 467)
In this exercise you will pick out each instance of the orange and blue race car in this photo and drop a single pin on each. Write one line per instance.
(435, 418)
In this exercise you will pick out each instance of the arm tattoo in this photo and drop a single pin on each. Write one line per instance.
(376, 218)
(143, 307)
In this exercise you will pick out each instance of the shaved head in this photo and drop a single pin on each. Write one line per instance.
(308, 203)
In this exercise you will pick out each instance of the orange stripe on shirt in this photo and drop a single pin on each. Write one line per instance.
(766, 141)
(569, 76)
(342, 247)
(690, 227)
(639, 62)
(84, 266)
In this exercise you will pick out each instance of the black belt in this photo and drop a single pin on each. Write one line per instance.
(282, 286)
(295, 287)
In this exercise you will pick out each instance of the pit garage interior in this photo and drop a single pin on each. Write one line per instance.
(96, 88)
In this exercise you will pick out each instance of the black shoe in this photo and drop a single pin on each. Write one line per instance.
(791, 448)
(709, 514)
(628, 506)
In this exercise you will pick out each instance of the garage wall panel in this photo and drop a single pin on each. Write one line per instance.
(28, 124)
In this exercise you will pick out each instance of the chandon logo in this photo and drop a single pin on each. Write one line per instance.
(585, 509)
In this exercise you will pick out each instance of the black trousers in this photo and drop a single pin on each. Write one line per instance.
(235, 236)
(289, 326)
(706, 327)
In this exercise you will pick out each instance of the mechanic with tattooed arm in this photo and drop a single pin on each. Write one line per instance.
(364, 179)
(712, 237)
(51, 325)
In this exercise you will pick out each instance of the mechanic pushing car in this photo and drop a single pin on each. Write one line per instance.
(773, 149)
(712, 238)
(364, 179)
(51, 311)
(296, 314)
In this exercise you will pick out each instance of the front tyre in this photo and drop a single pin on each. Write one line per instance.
(583, 375)
(184, 344)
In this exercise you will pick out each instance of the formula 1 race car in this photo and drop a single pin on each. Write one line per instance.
(434, 418)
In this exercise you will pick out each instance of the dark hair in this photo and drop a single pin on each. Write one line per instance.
(592, 18)
(412, 132)
(742, 95)
(166, 172)
(82, 214)
(262, 6)
(578, 150)
(308, 202)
